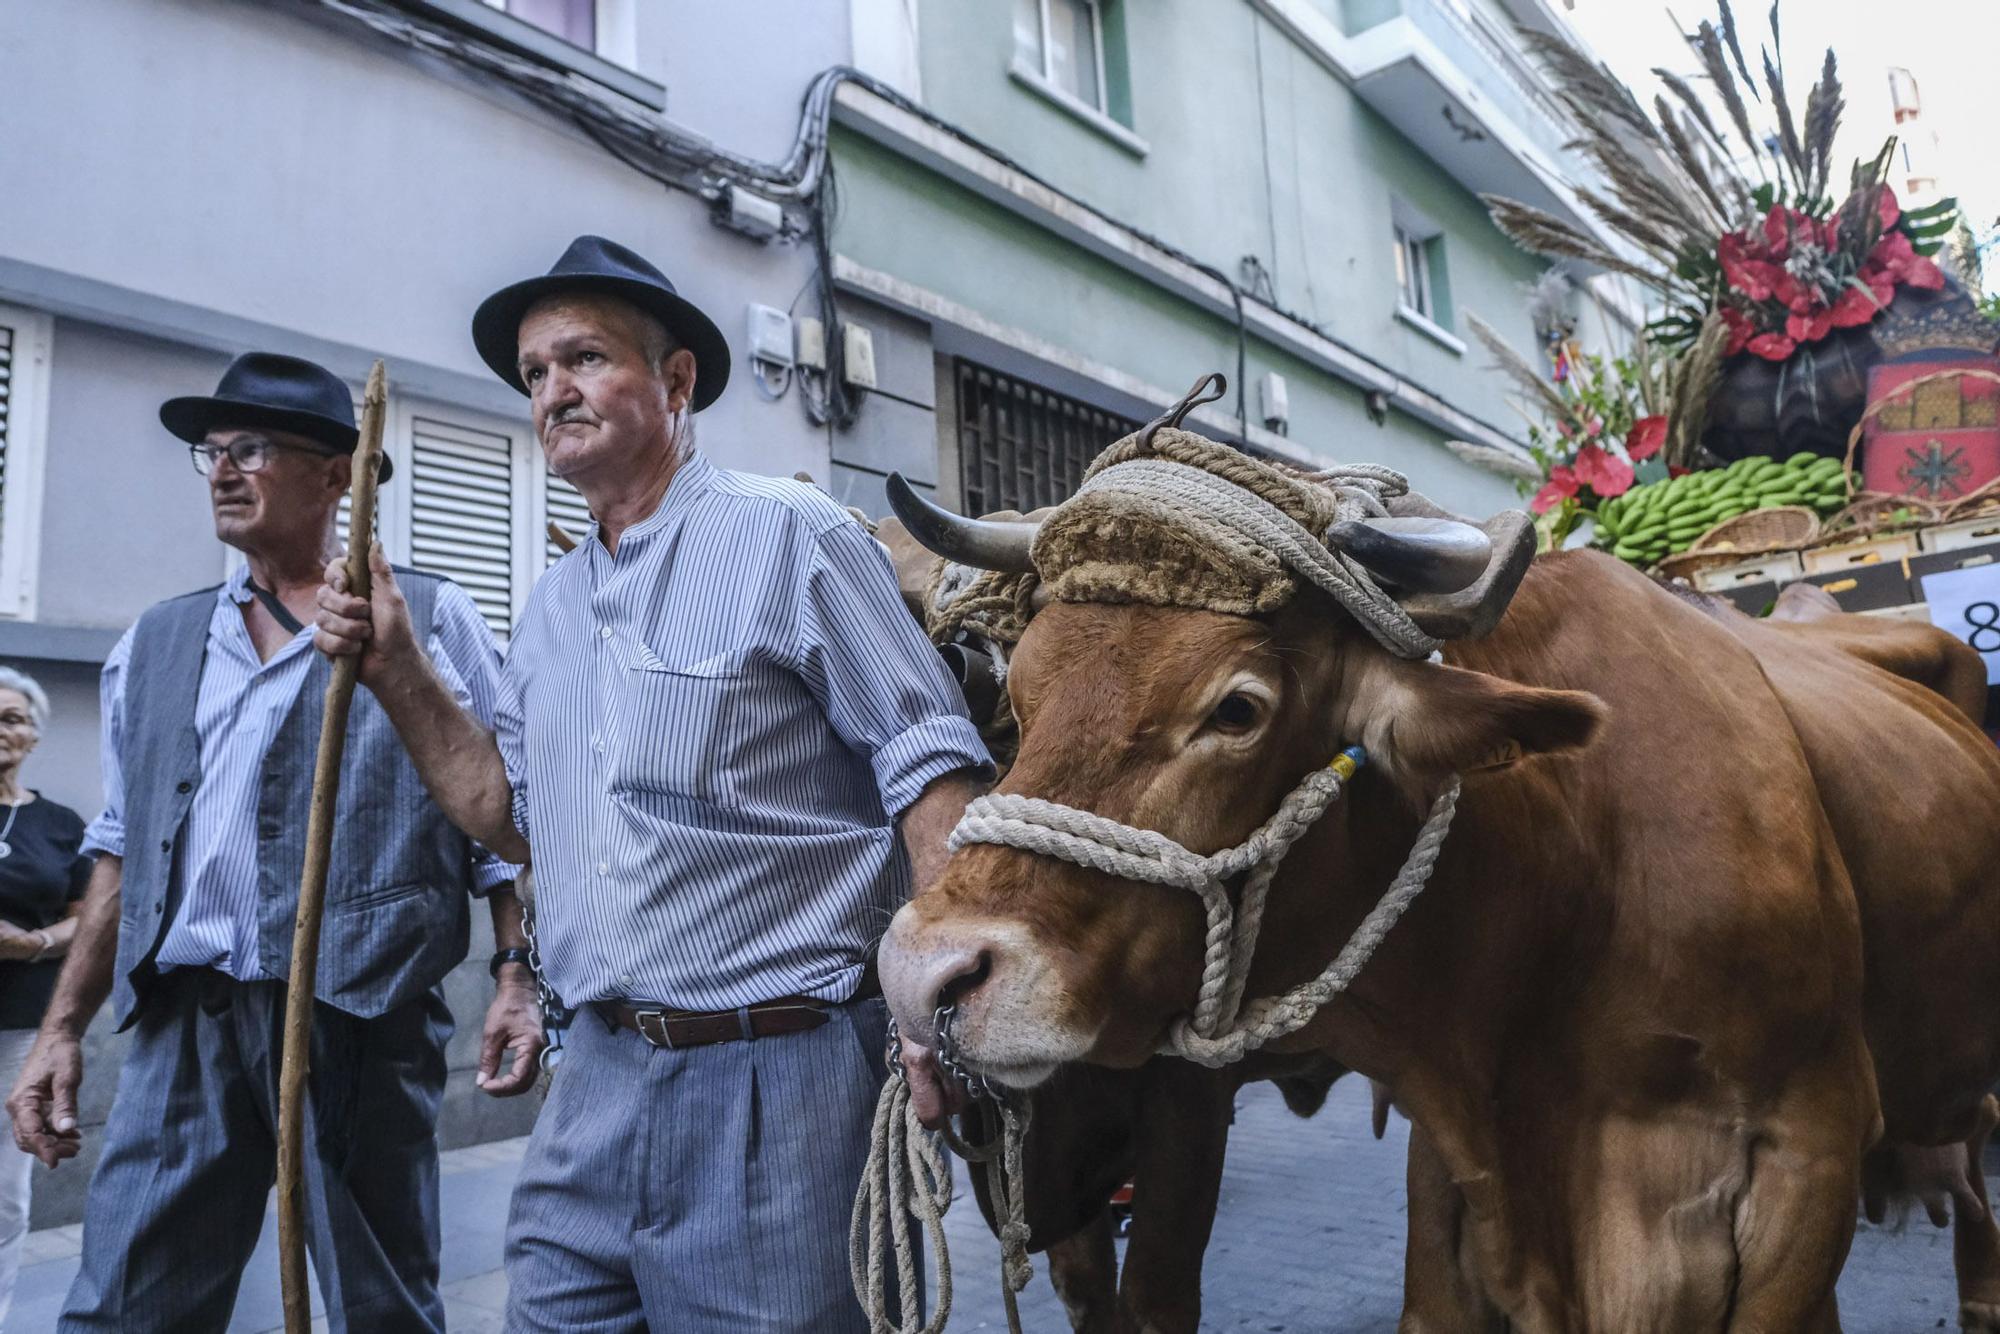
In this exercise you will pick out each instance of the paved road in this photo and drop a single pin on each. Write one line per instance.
(1309, 1241)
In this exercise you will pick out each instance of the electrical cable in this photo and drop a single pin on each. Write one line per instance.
(802, 178)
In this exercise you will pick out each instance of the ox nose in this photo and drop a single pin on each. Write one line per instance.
(918, 981)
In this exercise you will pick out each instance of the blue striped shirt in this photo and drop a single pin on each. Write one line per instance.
(239, 707)
(709, 737)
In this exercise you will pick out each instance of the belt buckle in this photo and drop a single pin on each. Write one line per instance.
(659, 1018)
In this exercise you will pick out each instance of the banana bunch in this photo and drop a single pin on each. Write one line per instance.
(1658, 519)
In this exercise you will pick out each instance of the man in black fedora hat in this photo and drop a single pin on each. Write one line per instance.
(212, 706)
(727, 742)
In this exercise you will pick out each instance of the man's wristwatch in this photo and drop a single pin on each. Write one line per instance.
(501, 958)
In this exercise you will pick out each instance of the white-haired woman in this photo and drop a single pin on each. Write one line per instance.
(41, 886)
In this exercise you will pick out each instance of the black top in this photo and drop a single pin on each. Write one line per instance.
(41, 875)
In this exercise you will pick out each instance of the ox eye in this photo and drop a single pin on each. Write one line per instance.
(1235, 712)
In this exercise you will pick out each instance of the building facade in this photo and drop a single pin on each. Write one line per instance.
(1008, 231)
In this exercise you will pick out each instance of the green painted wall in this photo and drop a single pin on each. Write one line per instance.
(1255, 149)
(904, 220)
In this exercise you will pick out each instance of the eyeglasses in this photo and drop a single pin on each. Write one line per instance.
(248, 452)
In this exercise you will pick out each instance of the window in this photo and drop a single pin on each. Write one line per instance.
(575, 21)
(1020, 447)
(565, 506)
(462, 513)
(25, 337)
(1413, 273)
(1063, 41)
(597, 39)
(1423, 284)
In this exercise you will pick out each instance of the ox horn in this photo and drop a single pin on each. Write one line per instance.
(981, 543)
(1418, 555)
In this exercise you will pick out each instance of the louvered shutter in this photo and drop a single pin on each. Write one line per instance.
(566, 507)
(462, 512)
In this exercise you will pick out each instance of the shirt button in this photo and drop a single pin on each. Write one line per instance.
(183, 786)
(604, 868)
(166, 845)
(625, 981)
(604, 632)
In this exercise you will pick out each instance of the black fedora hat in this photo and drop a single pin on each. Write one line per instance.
(277, 392)
(593, 264)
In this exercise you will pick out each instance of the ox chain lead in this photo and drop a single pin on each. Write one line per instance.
(555, 1015)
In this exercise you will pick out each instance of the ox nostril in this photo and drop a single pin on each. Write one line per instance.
(964, 975)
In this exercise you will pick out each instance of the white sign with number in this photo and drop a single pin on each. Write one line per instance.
(1967, 603)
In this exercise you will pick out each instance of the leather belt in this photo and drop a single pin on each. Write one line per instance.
(664, 1026)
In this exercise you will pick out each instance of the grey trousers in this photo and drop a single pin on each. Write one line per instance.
(696, 1190)
(190, 1154)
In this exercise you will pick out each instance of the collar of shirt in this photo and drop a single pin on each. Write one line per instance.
(234, 632)
(689, 481)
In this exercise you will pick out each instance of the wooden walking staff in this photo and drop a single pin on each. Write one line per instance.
(312, 885)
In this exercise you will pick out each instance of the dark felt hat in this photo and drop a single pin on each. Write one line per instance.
(593, 264)
(273, 391)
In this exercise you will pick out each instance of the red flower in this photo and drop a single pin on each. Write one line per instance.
(1857, 306)
(1749, 273)
(1808, 328)
(1561, 486)
(1603, 473)
(1923, 273)
(1773, 346)
(1646, 437)
(1740, 330)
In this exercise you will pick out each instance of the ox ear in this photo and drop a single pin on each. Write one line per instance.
(1453, 721)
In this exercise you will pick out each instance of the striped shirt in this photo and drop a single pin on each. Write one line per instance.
(239, 707)
(709, 737)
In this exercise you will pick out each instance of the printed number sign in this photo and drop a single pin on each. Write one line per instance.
(1967, 603)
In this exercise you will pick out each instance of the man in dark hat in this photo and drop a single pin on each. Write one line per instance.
(212, 706)
(716, 719)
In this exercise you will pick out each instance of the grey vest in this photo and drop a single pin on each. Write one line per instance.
(396, 912)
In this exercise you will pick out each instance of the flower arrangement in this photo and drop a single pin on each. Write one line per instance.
(1794, 278)
(1598, 425)
(1776, 265)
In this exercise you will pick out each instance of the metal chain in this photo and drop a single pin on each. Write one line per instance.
(555, 1015)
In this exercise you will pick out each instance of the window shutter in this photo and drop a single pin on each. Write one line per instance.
(566, 507)
(462, 512)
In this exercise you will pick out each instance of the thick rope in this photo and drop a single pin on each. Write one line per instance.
(906, 1170)
(1217, 1034)
(1357, 494)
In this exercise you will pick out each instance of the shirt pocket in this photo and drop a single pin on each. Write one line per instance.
(675, 727)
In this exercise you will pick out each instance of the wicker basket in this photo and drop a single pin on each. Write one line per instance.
(1752, 533)
(1873, 512)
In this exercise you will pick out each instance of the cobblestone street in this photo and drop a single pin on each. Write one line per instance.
(1309, 1241)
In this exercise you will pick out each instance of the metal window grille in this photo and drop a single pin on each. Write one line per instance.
(462, 513)
(1021, 447)
(567, 507)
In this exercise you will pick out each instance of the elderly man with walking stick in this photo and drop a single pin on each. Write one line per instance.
(727, 742)
(212, 708)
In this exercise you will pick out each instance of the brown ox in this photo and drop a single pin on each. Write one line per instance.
(1091, 1129)
(1663, 991)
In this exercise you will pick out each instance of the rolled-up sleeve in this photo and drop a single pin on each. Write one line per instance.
(882, 684)
(106, 834)
(507, 721)
(461, 647)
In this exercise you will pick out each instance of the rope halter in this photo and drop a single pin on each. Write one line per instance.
(1222, 1028)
